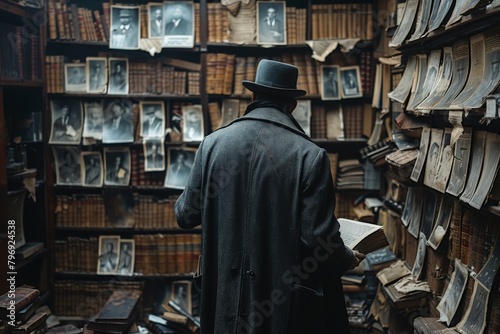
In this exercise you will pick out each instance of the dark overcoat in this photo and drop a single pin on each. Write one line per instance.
(272, 255)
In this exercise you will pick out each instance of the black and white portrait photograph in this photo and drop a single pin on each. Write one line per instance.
(94, 120)
(330, 82)
(448, 305)
(155, 18)
(180, 162)
(92, 169)
(460, 163)
(416, 212)
(117, 166)
(67, 117)
(126, 258)
(181, 294)
(74, 78)
(350, 82)
(406, 216)
(118, 125)
(271, 18)
(474, 320)
(179, 24)
(125, 27)
(302, 115)
(433, 154)
(422, 154)
(67, 165)
(192, 123)
(109, 249)
(230, 109)
(418, 265)
(97, 75)
(152, 115)
(118, 76)
(154, 154)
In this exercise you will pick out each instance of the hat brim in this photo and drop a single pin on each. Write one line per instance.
(260, 88)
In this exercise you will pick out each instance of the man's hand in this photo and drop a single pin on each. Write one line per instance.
(358, 257)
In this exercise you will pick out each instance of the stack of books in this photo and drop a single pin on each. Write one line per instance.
(350, 174)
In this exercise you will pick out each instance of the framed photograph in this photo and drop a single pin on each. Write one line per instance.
(180, 162)
(109, 250)
(302, 115)
(330, 82)
(67, 164)
(271, 18)
(179, 27)
(127, 257)
(152, 114)
(155, 18)
(350, 79)
(66, 116)
(97, 75)
(118, 76)
(155, 154)
(181, 294)
(75, 78)
(117, 166)
(91, 169)
(230, 110)
(118, 126)
(192, 123)
(94, 120)
(125, 27)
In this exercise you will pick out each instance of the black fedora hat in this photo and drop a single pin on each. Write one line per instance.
(275, 77)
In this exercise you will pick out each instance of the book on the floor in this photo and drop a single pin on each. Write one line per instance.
(24, 296)
(119, 307)
(363, 237)
(35, 322)
(381, 258)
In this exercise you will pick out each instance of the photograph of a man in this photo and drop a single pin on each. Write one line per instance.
(302, 115)
(179, 24)
(330, 82)
(74, 75)
(67, 163)
(92, 169)
(271, 18)
(125, 23)
(67, 118)
(126, 261)
(350, 78)
(154, 153)
(152, 119)
(109, 247)
(97, 75)
(179, 167)
(118, 126)
(192, 118)
(94, 120)
(155, 18)
(118, 166)
(118, 78)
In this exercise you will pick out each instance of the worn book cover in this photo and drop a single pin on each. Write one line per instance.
(119, 306)
(24, 296)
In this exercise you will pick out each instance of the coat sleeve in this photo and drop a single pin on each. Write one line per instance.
(319, 227)
(188, 207)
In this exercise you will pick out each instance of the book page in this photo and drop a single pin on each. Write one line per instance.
(418, 78)
(401, 92)
(422, 154)
(353, 232)
(460, 163)
(442, 11)
(478, 145)
(455, 14)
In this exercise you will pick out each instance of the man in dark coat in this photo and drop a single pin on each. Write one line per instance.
(262, 191)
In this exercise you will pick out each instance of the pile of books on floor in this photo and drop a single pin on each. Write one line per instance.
(174, 320)
(24, 311)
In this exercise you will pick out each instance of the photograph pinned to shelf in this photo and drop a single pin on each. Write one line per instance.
(67, 119)
(109, 248)
(127, 257)
(67, 165)
(442, 222)
(97, 75)
(117, 166)
(271, 22)
(152, 115)
(125, 27)
(179, 27)
(180, 162)
(94, 120)
(302, 115)
(118, 125)
(156, 20)
(192, 123)
(330, 82)
(154, 152)
(230, 111)
(92, 169)
(75, 78)
(448, 305)
(474, 320)
(350, 82)
(460, 166)
(118, 76)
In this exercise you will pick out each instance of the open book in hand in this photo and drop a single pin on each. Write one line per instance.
(363, 237)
